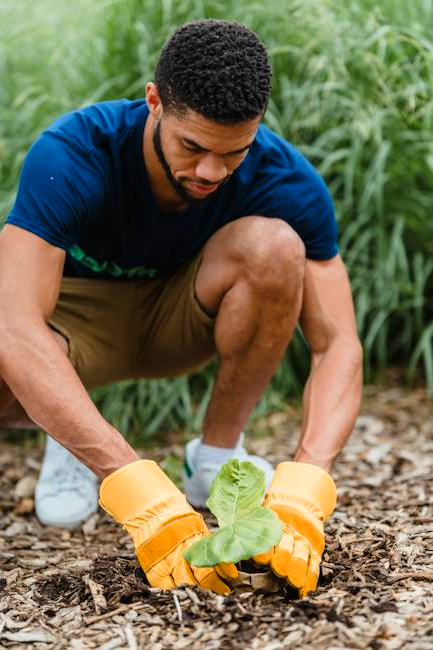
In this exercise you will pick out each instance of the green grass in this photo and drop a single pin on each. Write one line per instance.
(352, 88)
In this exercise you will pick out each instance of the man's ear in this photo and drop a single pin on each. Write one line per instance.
(153, 100)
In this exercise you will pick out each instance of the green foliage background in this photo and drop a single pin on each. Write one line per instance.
(352, 88)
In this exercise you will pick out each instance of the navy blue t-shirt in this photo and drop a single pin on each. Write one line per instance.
(84, 188)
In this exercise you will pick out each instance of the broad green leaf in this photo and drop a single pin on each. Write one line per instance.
(237, 490)
(256, 532)
(246, 528)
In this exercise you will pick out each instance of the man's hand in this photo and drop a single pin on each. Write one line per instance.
(303, 496)
(162, 525)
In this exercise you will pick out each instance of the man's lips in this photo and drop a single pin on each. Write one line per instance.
(202, 189)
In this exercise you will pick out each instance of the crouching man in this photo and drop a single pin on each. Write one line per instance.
(148, 236)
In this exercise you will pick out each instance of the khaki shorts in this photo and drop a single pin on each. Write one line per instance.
(144, 328)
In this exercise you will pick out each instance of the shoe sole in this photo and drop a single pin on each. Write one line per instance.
(68, 525)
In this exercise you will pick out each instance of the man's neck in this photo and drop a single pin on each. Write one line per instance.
(165, 195)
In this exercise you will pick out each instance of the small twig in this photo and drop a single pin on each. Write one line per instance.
(123, 608)
(193, 596)
(130, 638)
(418, 575)
(97, 593)
(360, 585)
(423, 520)
(367, 538)
(178, 607)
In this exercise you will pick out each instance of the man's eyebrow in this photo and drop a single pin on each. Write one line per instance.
(191, 143)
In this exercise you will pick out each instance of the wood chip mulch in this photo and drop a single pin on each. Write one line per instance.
(84, 589)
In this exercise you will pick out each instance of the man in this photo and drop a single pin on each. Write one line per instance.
(147, 237)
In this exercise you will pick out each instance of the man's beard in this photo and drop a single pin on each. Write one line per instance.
(178, 186)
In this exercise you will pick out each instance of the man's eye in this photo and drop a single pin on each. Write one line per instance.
(192, 149)
(238, 153)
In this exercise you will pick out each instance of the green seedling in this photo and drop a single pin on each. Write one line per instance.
(245, 527)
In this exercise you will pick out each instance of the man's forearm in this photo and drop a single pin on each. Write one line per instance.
(46, 385)
(331, 403)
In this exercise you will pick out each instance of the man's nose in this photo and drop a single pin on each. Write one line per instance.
(211, 168)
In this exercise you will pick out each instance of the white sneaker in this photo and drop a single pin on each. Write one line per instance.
(197, 481)
(67, 492)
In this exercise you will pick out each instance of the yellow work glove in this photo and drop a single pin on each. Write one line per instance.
(303, 496)
(162, 525)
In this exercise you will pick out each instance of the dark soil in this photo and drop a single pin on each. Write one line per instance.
(84, 589)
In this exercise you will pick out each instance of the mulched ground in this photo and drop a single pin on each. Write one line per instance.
(84, 589)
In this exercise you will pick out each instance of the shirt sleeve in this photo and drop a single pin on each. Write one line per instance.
(61, 191)
(294, 191)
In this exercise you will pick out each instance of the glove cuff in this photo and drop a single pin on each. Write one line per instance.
(305, 484)
(137, 487)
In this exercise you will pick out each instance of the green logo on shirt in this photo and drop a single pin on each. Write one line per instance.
(110, 267)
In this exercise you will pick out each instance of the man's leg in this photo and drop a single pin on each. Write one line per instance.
(67, 491)
(251, 276)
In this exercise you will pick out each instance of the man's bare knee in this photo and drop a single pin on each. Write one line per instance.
(271, 251)
(267, 253)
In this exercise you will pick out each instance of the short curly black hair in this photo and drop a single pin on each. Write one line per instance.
(216, 68)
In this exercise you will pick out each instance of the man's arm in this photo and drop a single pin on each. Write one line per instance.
(302, 493)
(33, 365)
(333, 392)
(135, 492)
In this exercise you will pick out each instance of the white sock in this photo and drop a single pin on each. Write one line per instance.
(213, 455)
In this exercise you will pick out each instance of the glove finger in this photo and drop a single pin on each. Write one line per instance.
(158, 577)
(259, 565)
(298, 565)
(280, 561)
(182, 573)
(264, 558)
(208, 578)
(312, 575)
(227, 570)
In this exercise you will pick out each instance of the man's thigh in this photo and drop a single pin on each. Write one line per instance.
(176, 333)
(145, 328)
